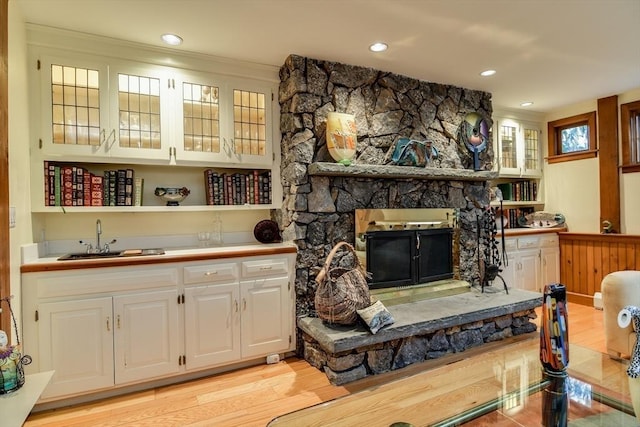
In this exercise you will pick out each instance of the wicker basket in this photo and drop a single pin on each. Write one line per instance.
(341, 291)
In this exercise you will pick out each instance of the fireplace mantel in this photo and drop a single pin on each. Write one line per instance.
(399, 172)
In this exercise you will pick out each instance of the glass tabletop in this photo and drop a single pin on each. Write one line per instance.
(504, 386)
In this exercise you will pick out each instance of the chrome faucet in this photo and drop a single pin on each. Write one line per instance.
(98, 249)
(98, 233)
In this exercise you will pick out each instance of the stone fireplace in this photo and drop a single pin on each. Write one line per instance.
(321, 196)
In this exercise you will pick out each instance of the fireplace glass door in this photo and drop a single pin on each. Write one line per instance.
(408, 257)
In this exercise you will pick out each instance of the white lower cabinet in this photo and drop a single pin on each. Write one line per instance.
(108, 327)
(76, 340)
(265, 316)
(228, 320)
(533, 262)
(146, 335)
(212, 325)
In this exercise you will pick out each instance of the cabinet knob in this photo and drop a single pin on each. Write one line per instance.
(211, 273)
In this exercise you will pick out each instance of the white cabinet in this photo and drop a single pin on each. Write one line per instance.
(108, 327)
(146, 335)
(104, 113)
(550, 258)
(75, 340)
(227, 319)
(533, 261)
(266, 308)
(518, 148)
(212, 313)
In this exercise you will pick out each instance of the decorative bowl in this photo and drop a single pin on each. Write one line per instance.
(172, 195)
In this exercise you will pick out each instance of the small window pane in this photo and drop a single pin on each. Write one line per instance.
(574, 139)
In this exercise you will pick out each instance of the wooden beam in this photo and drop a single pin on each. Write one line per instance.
(5, 276)
(608, 161)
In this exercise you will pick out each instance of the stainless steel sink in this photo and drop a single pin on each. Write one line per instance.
(113, 254)
(86, 255)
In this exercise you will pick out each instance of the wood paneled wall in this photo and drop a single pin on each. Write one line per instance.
(586, 258)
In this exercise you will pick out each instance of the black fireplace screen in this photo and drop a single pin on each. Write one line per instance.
(407, 257)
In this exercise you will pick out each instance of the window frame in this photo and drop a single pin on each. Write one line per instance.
(629, 151)
(553, 132)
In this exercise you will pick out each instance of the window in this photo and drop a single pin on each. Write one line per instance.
(630, 127)
(572, 138)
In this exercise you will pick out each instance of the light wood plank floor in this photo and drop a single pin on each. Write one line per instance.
(253, 396)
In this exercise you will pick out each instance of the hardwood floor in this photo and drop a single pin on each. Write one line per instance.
(253, 396)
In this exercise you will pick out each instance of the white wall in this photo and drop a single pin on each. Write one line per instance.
(572, 188)
(18, 147)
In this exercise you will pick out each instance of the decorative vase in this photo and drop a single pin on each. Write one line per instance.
(341, 137)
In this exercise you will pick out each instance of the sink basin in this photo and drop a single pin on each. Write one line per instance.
(113, 254)
(85, 255)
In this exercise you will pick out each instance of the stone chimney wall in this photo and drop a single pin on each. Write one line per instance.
(318, 210)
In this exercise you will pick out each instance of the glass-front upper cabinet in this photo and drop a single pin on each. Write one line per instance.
(74, 106)
(252, 119)
(518, 148)
(140, 113)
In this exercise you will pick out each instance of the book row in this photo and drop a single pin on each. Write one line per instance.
(253, 187)
(519, 191)
(72, 185)
(512, 217)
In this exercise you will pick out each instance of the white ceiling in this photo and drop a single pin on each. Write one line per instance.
(551, 52)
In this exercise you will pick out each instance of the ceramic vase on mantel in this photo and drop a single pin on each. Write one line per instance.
(341, 137)
(626, 315)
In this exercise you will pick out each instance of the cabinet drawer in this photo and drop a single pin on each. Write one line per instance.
(208, 273)
(549, 240)
(528, 242)
(511, 244)
(262, 267)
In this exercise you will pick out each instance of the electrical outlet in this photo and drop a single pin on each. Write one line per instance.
(273, 358)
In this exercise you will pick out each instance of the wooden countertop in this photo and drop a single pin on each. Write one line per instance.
(180, 255)
(510, 232)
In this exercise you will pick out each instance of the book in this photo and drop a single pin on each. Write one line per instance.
(138, 191)
(97, 190)
(128, 187)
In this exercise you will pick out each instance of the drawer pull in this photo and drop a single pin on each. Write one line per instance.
(266, 267)
(211, 273)
(108, 325)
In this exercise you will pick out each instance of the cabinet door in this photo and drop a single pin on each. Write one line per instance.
(252, 139)
(140, 114)
(532, 158)
(202, 108)
(529, 270)
(76, 340)
(508, 273)
(146, 335)
(266, 316)
(212, 325)
(550, 258)
(74, 106)
(508, 147)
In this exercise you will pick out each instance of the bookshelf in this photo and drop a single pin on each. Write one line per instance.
(238, 192)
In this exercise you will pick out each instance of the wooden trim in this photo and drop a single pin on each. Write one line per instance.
(608, 162)
(5, 273)
(627, 149)
(555, 154)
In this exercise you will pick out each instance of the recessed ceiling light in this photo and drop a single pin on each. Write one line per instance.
(172, 39)
(378, 47)
(526, 104)
(487, 73)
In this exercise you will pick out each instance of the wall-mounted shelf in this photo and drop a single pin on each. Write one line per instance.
(392, 171)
